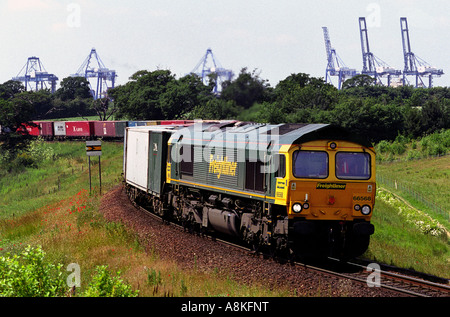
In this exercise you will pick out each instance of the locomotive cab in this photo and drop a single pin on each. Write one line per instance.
(330, 192)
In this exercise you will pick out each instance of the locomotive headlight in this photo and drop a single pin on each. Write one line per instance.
(357, 207)
(306, 206)
(332, 146)
(296, 208)
(365, 210)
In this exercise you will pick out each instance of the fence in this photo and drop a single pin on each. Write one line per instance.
(416, 195)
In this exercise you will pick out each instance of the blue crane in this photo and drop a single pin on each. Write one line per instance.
(35, 77)
(335, 66)
(208, 66)
(93, 67)
(415, 66)
(372, 65)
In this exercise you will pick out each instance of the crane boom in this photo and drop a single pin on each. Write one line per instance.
(414, 65)
(335, 66)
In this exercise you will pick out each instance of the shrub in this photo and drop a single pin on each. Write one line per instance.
(30, 275)
(436, 144)
(39, 150)
(383, 147)
(104, 285)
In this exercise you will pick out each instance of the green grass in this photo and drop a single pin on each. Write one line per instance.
(23, 192)
(410, 232)
(428, 178)
(398, 242)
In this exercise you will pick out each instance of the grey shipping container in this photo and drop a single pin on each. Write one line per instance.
(120, 128)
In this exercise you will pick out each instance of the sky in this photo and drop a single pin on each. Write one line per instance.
(276, 38)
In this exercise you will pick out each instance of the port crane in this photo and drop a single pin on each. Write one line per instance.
(414, 65)
(93, 67)
(372, 65)
(335, 65)
(209, 65)
(35, 77)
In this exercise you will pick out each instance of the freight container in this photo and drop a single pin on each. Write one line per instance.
(120, 128)
(83, 129)
(176, 122)
(105, 129)
(31, 130)
(170, 122)
(136, 123)
(145, 156)
(45, 129)
(60, 128)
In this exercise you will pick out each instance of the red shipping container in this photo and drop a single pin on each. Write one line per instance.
(105, 129)
(80, 128)
(32, 130)
(172, 122)
(177, 122)
(46, 128)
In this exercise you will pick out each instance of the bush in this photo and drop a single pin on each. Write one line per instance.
(383, 147)
(39, 150)
(436, 144)
(30, 275)
(103, 285)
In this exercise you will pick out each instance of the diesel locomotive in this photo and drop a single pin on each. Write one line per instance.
(292, 189)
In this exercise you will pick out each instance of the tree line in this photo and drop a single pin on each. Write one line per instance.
(377, 112)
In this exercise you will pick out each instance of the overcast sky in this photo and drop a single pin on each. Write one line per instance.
(276, 37)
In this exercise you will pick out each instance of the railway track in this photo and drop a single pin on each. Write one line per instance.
(402, 284)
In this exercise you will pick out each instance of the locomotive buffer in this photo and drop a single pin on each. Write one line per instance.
(94, 148)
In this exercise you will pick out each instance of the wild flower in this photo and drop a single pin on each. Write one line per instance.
(422, 222)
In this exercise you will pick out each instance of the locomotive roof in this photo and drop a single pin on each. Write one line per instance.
(254, 134)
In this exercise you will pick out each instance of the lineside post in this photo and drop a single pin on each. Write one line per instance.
(94, 148)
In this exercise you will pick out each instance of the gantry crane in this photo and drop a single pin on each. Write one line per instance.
(207, 67)
(335, 66)
(93, 67)
(372, 65)
(415, 66)
(35, 77)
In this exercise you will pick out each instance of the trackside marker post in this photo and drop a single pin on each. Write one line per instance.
(94, 148)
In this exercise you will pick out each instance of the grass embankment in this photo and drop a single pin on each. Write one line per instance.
(412, 208)
(50, 206)
(407, 238)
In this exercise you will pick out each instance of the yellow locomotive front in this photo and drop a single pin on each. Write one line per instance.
(329, 190)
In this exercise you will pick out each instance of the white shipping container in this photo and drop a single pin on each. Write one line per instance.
(136, 157)
(60, 128)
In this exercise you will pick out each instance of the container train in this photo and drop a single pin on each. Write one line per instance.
(291, 189)
(59, 130)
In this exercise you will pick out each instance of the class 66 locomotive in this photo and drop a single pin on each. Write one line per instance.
(290, 189)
